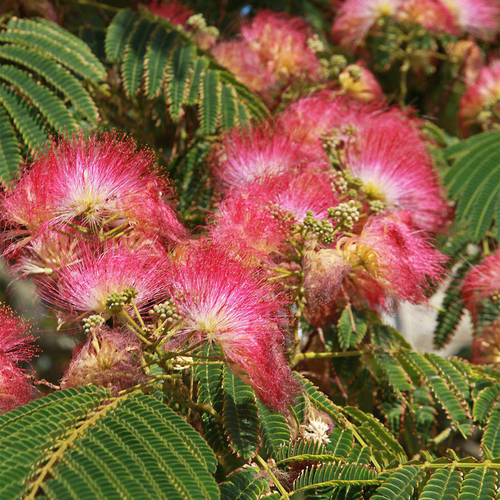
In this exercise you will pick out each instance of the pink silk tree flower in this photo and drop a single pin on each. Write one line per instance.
(91, 181)
(226, 302)
(392, 260)
(355, 18)
(271, 51)
(259, 218)
(480, 18)
(172, 10)
(395, 169)
(16, 347)
(433, 15)
(247, 154)
(109, 358)
(281, 41)
(105, 279)
(482, 97)
(481, 283)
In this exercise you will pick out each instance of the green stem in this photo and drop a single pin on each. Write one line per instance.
(325, 355)
(97, 5)
(279, 486)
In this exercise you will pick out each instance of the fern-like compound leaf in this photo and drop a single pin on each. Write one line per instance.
(241, 421)
(118, 34)
(479, 484)
(243, 484)
(274, 428)
(351, 329)
(9, 148)
(49, 105)
(443, 485)
(401, 484)
(135, 53)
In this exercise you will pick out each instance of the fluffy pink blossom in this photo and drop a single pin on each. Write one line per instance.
(433, 15)
(281, 43)
(482, 282)
(271, 51)
(259, 218)
(86, 286)
(172, 10)
(480, 18)
(246, 65)
(226, 302)
(109, 358)
(247, 154)
(16, 347)
(395, 168)
(481, 95)
(391, 259)
(355, 18)
(94, 181)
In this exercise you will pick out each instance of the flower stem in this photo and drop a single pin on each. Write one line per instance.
(279, 486)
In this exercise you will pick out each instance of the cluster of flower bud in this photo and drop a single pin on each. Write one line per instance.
(377, 206)
(346, 214)
(199, 23)
(315, 44)
(332, 67)
(323, 229)
(165, 311)
(116, 301)
(92, 322)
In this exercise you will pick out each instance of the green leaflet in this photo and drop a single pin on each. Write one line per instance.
(243, 484)
(118, 34)
(351, 330)
(479, 484)
(133, 62)
(156, 59)
(274, 428)
(47, 103)
(9, 148)
(491, 438)
(400, 484)
(55, 74)
(241, 421)
(443, 485)
(474, 180)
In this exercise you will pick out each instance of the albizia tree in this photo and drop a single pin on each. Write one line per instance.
(225, 211)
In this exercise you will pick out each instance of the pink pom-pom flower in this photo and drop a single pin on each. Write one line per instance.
(483, 96)
(481, 283)
(355, 18)
(91, 182)
(228, 303)
(16, 347)
(105, 279)
(391, 260)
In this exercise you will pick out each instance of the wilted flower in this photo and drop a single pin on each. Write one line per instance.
(324, 273)
(109, 358)
(226, 302)
(482, 282)
(482, 99)
(360, 84)
(16, 347)
(96, 181)
(486, 346)
(390, 259)
(105, 279)
(355, 18)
